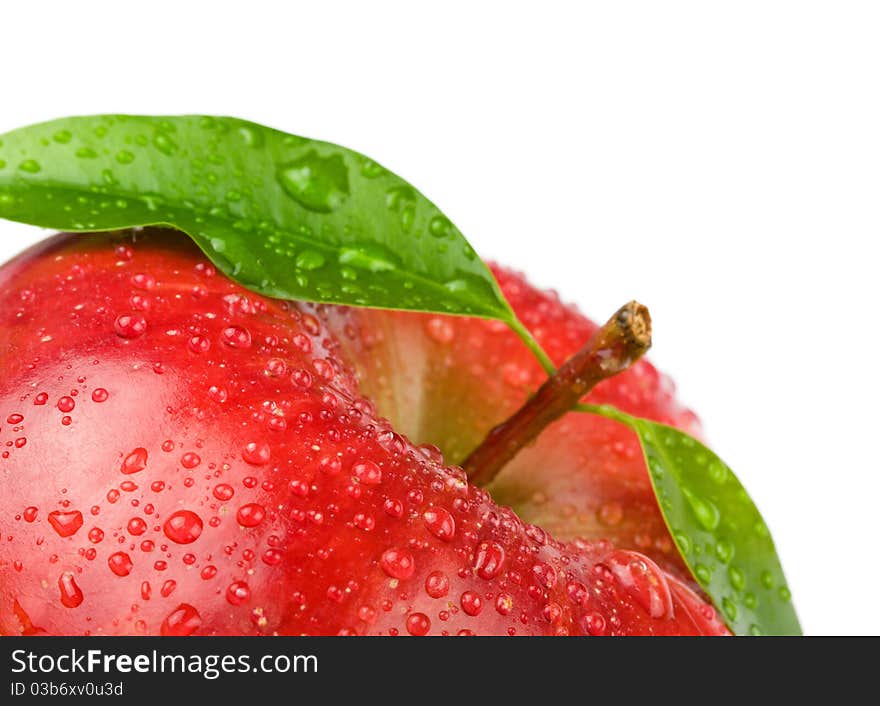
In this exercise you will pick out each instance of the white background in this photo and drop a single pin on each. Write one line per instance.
(718, 161)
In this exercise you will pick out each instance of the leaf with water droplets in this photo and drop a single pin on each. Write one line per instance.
(283, 215)
(716, 527)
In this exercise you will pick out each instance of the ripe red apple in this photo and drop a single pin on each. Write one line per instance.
(181, 456)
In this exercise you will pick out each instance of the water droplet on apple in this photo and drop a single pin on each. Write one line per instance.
(418, 624)
(250, 515)
(440, 330)
(223, 491)
(199, 344)
(142, 280)
(397, 563)
(65, 523)
(237, 592)
(437, 584)
(440, 523)
(275, 367)
(301, 378)
(135, 462)
(503, 604)
(256, 454)
(471, 603)
(71, 594)
(488, 560)
(99, 394)
(544, 574)
(594, 624)
(120, 563)
(610, 514)
(218, 393)
(183, 620)
(66, 404)
(367, 473)
(190, 460)
(183, 527)
(236, 337)
(393, 507)
(130, 325)
(643, 580)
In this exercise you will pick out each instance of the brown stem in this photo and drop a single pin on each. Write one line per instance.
(612, 349)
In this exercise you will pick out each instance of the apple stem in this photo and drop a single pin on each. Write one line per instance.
(612, 349)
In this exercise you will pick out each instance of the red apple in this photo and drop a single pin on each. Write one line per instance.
(181, 456)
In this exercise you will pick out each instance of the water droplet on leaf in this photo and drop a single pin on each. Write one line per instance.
(370, 257)
(164, 143)
(737, 578)
(704, 510)
(318, 183)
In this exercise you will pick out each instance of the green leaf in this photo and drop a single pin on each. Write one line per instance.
(283, 215)
(717, 528)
